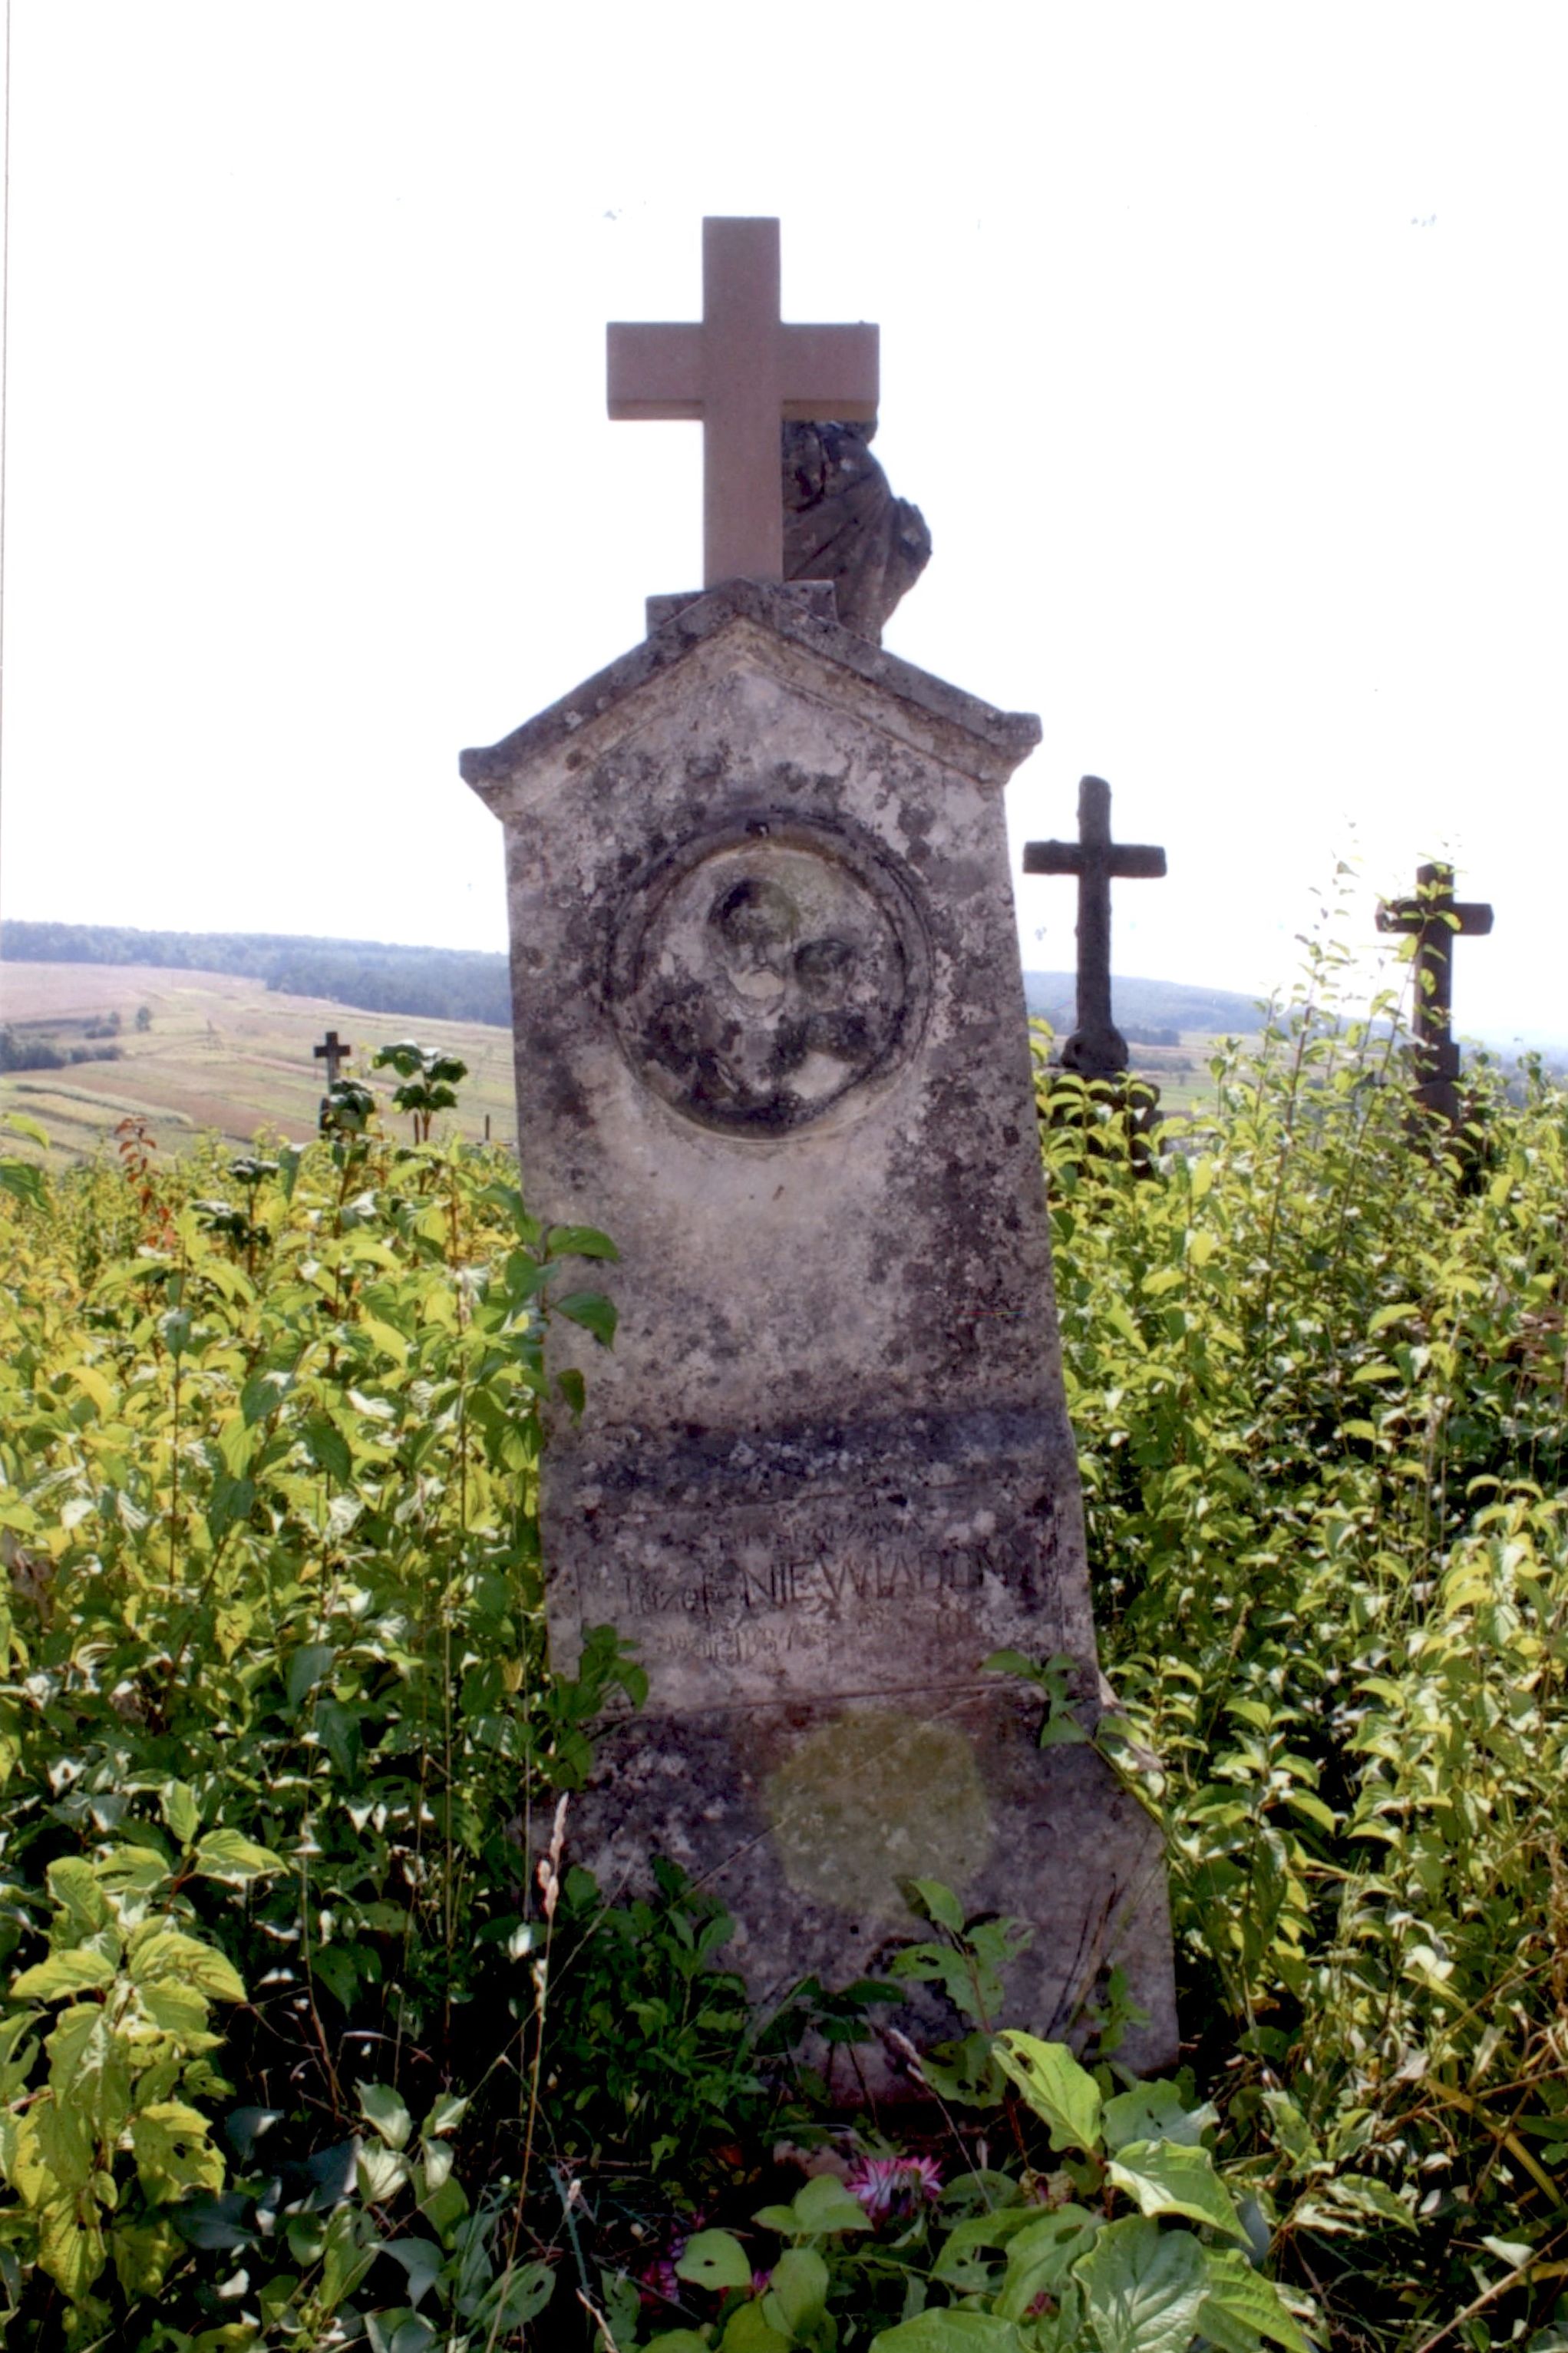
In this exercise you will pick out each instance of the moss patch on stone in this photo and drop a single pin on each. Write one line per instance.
(874, 1798)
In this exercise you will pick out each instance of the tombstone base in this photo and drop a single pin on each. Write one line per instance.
(804, 1820)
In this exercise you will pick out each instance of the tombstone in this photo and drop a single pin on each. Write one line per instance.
(1435, 920)
(770, 1035)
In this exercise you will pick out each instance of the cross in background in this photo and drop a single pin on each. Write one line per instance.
(1435, 918)
(334, 1053)
(1096, 1048)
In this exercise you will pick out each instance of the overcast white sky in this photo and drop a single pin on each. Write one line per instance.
(1223, 345)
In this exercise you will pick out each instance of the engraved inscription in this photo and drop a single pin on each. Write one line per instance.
(762, 976)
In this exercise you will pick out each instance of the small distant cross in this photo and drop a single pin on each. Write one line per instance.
(1435, 918)
(1097, 1048)
(334, 1053)
(742, 373)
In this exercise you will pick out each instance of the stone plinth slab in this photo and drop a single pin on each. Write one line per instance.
(770, 1035)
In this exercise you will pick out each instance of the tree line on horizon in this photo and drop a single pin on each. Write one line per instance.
(379, 975)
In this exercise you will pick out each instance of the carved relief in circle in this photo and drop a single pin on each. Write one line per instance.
(762, 975)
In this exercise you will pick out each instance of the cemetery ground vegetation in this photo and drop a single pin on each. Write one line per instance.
(302, 2049)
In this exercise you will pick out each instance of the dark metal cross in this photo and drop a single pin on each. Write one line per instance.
(334, 1053)
(742, 372)
(1097, 1048)
(1435, 918)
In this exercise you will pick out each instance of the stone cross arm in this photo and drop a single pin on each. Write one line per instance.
(1436, 910)
(1122, 861)
(742, 373)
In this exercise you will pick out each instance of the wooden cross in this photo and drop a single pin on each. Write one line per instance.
(334, 1053)
(1435, 918)
(1097, 1048)
(742, 373)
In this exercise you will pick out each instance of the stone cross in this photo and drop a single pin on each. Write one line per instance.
(334, 1052)
(1096, 1048)
(742, 373)
(1435, 918)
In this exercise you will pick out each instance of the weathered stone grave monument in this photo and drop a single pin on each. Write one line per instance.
(770, 1035)
(1435, 920)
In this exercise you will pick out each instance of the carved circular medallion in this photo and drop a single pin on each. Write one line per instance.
(762, 973)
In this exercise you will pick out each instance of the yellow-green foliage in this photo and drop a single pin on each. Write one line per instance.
(1318, 1370)
(274, 1685)
(277, 1689)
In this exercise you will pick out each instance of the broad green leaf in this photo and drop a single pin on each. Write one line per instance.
(961, 2265)
(422, 2260)
(1365, 2196)
(1155, 2112)
(74, 1970)
(26, 1124)
(230, 1503)
(75, 1887)
(1058, 2090)
(173, 2152)
(143, 2253)
(176, 2010)
(1041, 2258)
(306, 1668)
(382, 2107)
(329, 1448)
(579, 1241)
(512, 2299)
(226, 1855)
(70, 2251)
(1237, 2294)
(819, 2205)
(798, 2289)
(177, 1802)
(380, 2172)
(400, 2330)
(937, 1901)
(1166, 2177)
(169, 1953)
(344, 2262)
(714, 2260)
(1143, 2287)
(747, 2331)
(244, 2127)
(592, 1311)
(445, 2115)
(945, 2330)
(60, 2151)
(25, 1183)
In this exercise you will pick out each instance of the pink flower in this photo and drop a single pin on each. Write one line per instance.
(888, 2186)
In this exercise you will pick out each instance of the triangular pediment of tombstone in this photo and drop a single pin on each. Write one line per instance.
(781, 634)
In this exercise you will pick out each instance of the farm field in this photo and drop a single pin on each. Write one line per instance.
(222, 1053)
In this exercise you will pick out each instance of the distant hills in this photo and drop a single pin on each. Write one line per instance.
(376, 976)
(472, 984)
(1147, 1010)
